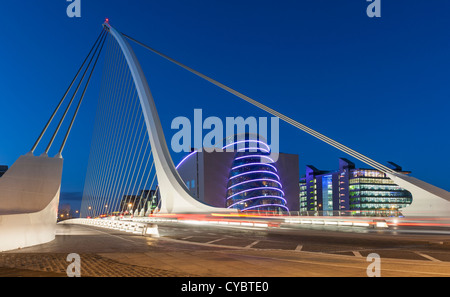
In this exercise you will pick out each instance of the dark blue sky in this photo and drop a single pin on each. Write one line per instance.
(380, 86)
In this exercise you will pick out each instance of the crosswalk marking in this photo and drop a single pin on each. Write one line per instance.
(299, 248)
(252, 244)
(428, 257)
(215, 240)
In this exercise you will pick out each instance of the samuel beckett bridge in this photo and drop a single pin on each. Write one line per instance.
(129, 153)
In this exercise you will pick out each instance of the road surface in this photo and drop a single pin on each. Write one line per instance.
(184, 250)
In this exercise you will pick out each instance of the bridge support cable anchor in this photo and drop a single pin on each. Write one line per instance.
(65, 95)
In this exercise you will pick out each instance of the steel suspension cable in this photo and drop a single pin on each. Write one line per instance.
(120, 131)
(140, 166)
(151, 186)
(93, 155)
(135, 159)
(65, 95)
(81, 98)
(124, 138)
(296, 124)
(105, 124)
(143, 175)
(105, 131)
(112, 138)
(148, 177)
(134, 145)
(122, 178)
(71, 100)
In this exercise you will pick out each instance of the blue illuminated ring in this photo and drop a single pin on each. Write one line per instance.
(258, 197)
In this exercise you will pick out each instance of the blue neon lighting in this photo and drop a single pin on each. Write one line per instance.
(256, 148)
(257, 197)
(185, 158)
(253, 180)
(254, 164)
(248, 140)
(265, 205)
(255, 171)
(256, 189)
(256, 156)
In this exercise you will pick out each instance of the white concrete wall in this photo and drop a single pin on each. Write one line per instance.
(29, 229)
(29, 198)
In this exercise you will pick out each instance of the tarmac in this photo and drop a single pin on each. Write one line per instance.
(108, 253)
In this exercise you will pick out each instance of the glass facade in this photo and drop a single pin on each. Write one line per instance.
(372, 193)
(327, 194)
(303, 196)
(351, 191)
(254, 183)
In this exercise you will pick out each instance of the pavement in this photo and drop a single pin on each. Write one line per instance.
(109, 253)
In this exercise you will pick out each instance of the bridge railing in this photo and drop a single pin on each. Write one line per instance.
(119, 225)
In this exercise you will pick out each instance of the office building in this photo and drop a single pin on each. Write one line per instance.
(245, 178)
(351, 191)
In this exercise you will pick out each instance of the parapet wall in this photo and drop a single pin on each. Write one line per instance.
(29, 198)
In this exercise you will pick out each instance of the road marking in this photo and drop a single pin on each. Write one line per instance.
(252, 244)
(215, 240)
(112, 235)
(299, 248)
(428, 257)
(200, 243)
(357, 254)
(340, 265)
(184, 238)
(318, 263)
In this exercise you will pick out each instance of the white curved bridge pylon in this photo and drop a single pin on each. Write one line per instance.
(175, 197)
(428, 200)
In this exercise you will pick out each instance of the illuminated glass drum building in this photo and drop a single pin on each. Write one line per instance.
(352, 191)
(243, 177)
(254, 183)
